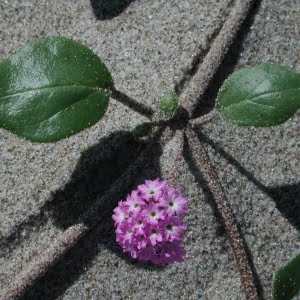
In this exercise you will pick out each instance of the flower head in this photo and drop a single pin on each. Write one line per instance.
(148, 223)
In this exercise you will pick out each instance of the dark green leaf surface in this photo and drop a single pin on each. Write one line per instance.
(264, 95)
(286, 283)
(51, 89)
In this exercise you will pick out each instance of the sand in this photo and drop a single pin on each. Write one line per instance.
(148, 46)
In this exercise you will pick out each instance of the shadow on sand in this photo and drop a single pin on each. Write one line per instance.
(98, 169)
(108, 9)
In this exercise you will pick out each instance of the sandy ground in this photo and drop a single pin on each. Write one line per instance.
(148, 46)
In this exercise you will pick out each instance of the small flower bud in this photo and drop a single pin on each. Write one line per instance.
(168, 104)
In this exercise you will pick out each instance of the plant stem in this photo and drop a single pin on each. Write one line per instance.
(201, 80)
(204, 119)
(236, 242)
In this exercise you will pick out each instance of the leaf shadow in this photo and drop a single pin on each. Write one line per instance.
(286, 197)
(97, 170)
(207, 102)
(99, 167)
(108, 9)
(21, 231)
(287, 200)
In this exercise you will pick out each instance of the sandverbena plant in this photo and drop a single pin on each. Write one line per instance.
(55, 87)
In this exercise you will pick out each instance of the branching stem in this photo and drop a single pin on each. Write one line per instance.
(204, 119)
(236, 242)
(188, 100)
(200, 81)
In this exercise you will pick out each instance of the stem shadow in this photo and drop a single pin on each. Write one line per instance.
(286, 197)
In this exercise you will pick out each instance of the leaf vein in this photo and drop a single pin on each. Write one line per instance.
(62, 110)
(257, 96)
(47, 88)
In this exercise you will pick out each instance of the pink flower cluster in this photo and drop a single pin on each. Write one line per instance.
(148, 223)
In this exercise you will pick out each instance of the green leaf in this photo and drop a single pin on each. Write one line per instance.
(286, 283)
(168, 104)
(264, 95)
(52, 88)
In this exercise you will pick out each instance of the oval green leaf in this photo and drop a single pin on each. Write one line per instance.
(52, 88)
(286, 283)
(264, 95)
